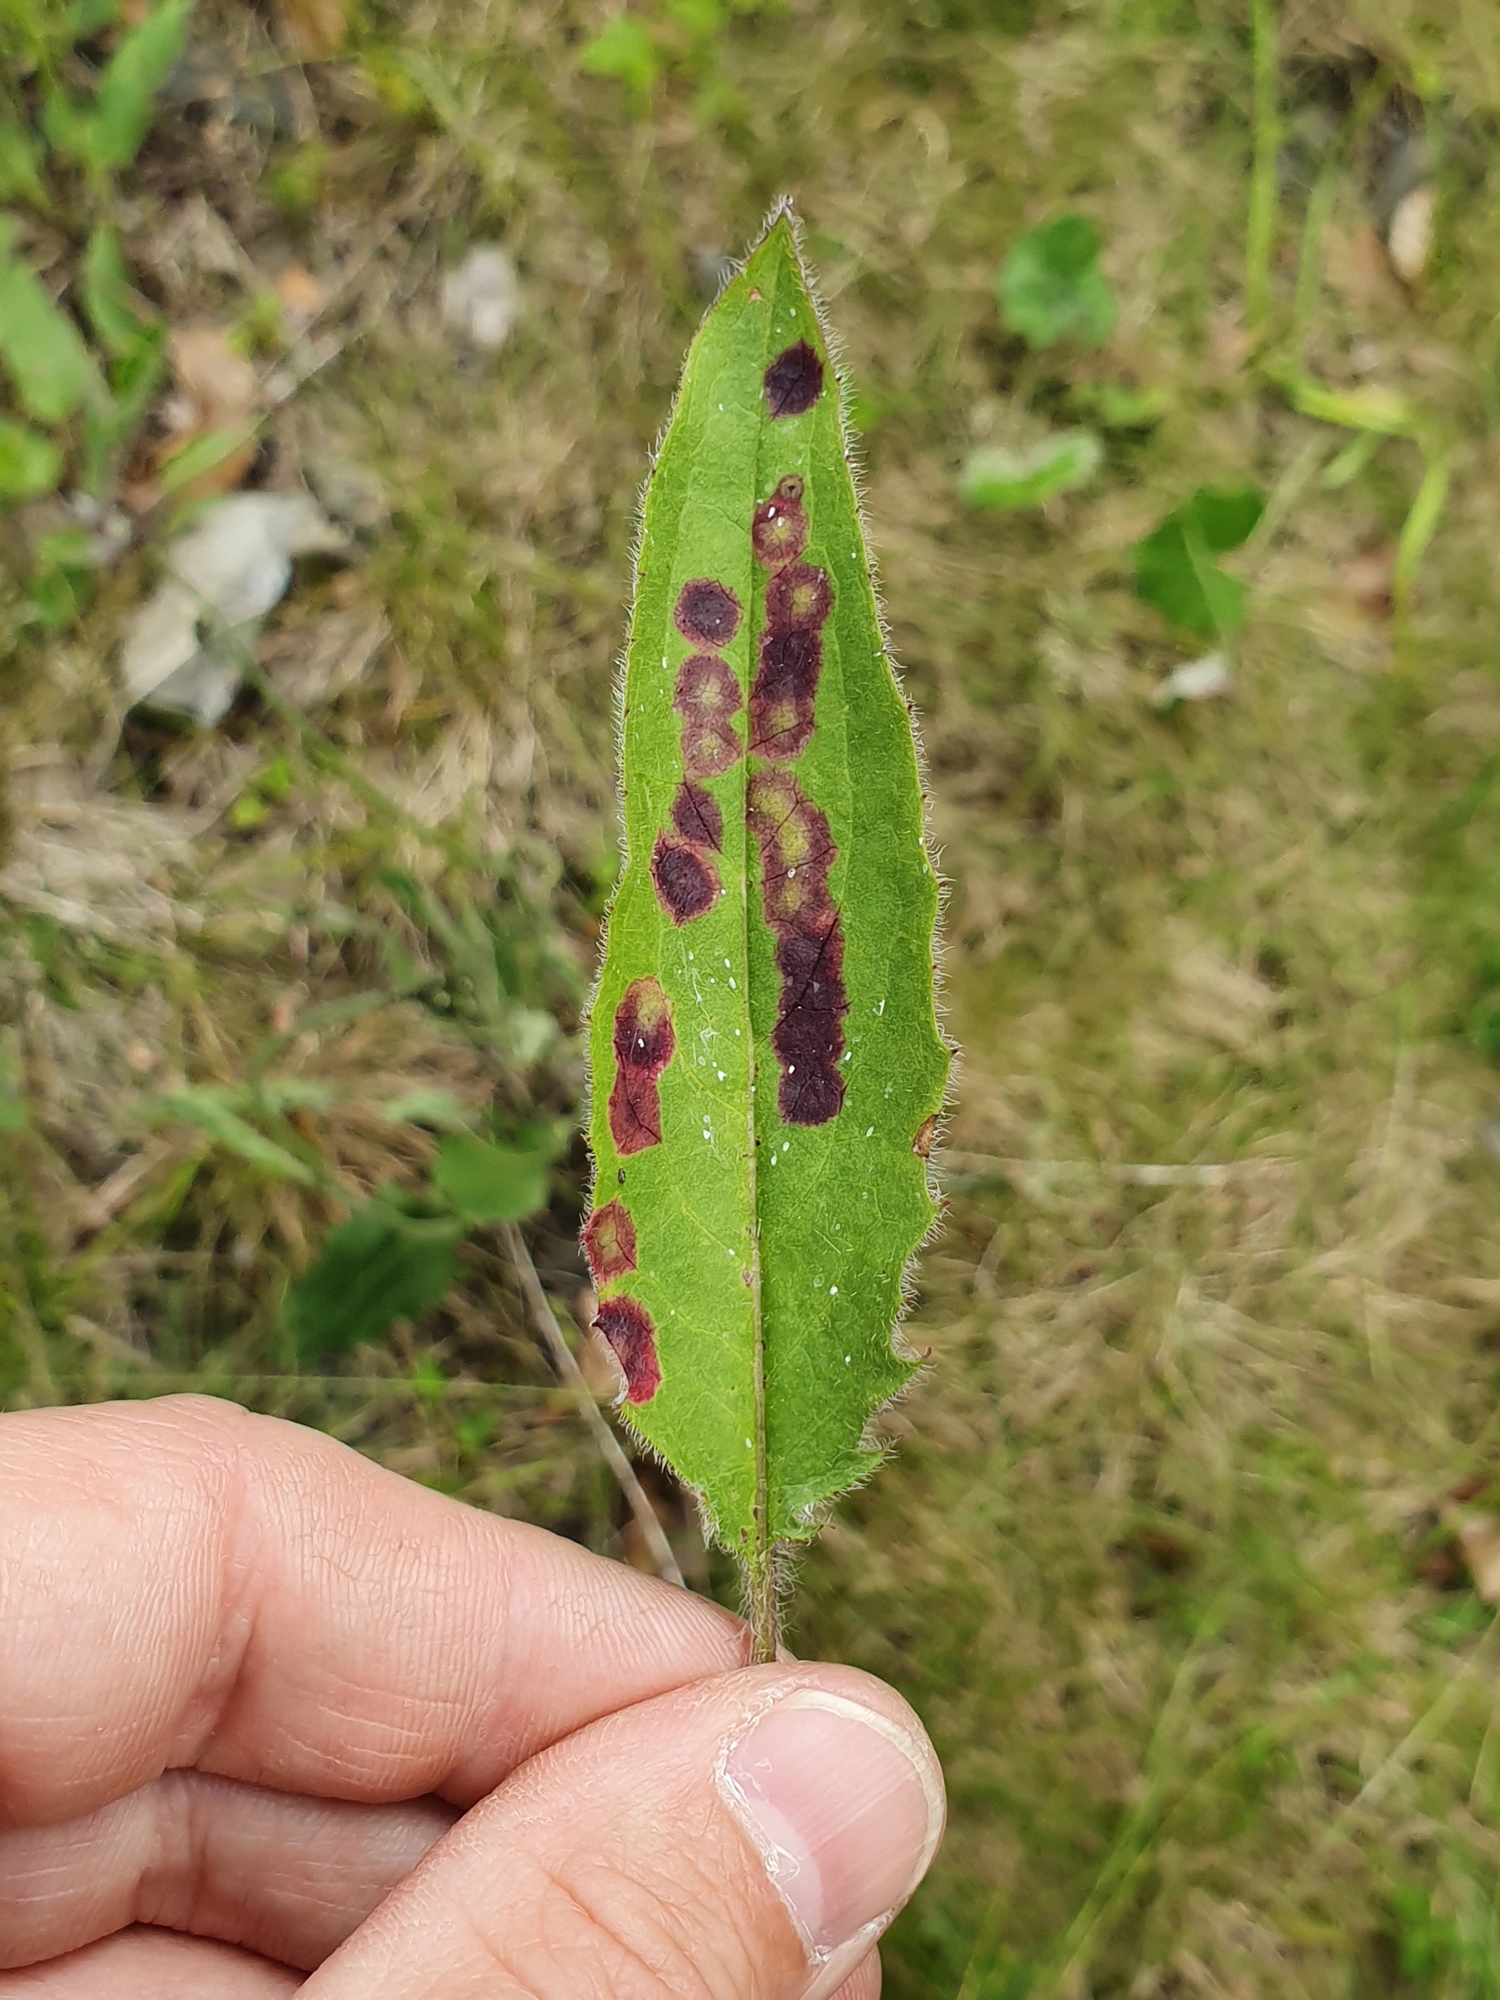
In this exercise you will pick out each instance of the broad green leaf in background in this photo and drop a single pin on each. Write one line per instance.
(20, 168)
(624, 49)
(43, 352)
(378, 1266)
(112, 133)
(219, 1111)
(1007, 480)
(488, 1183)
(767, 1067)
(29, 463)
(1175, 567)
(1051, 288)
(111, 305)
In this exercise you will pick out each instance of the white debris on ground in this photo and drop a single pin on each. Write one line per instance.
(481, 297)
(1409, 239)
(223, 574)
(1195, 680)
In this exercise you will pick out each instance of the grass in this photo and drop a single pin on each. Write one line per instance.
(1160, 1559)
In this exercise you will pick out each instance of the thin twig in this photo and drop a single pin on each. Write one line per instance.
(604, 1437)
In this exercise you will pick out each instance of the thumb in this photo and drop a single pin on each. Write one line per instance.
(745, 1838)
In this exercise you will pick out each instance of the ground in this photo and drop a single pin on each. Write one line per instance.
(1166, 1557)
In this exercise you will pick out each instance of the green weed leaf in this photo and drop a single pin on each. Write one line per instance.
(624, 49)
(220, 1113)
(379, 1266)
(767, 1069)
(113, 132)
(20, 171)
(108, 300)
(1051, 288)
(1008, 480)
(43, 352)
(29, 463)
(488, 1183)
(1175, 567)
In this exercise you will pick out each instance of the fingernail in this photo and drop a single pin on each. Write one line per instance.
(846, 1810)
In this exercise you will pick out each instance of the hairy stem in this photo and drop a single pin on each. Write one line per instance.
(765, 1606)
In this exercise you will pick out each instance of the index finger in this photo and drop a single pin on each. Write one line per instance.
(182, 1583)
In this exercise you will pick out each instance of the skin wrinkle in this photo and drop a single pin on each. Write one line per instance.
(511, 1596)
(282, 1874)
(604, 1696)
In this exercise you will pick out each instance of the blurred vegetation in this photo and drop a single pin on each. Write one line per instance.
(1169, 327)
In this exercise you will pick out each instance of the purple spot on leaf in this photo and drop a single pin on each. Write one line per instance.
(628, 1328)
(794, 381)
(707, 613)
(687, 883)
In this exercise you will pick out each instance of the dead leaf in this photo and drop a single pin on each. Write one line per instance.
(481, 297)
(313, 664)
(300, 294)
(1357, 268)
(314, 29)
(1409, 238)
(1477, 1531)
(214, 394)
(225, 572)
(1368, 579)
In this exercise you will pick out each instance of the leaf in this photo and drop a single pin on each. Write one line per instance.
(1007, 480)
(767, 1069)
(113, 132)
(1175, 570)
(488, 1183)
(108, 300)
(42, 350)
(625, 50)
(29, 463)
(1051, 288)
(213, 1110)
(379, 1266)
(20, 173)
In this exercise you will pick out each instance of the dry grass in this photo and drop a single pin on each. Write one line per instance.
(1159, 1559)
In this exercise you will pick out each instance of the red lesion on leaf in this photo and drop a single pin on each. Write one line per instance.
(644, 1044)
(782, 700)
(707, 697)
(708, 613)
(796, 853)
(794, 380)
(696, 816)
(798, 598)
(778, 532)
(686, 880)
(609, 1242)
(630, 1331)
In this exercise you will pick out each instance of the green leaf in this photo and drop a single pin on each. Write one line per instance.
(1116, 408)
(113, 133)
(1175, 570)
(1051, 288)
(20, 174)
(108, 300)
(201, 455)
(377, 1267)
(767, 1068)
(1007, 480)
(625, 50)
(214, 1110)
(42, 350)
(29, 463)
(14, 1115)
(488, 1183)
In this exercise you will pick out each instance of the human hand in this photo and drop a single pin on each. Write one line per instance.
(273, 1720)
